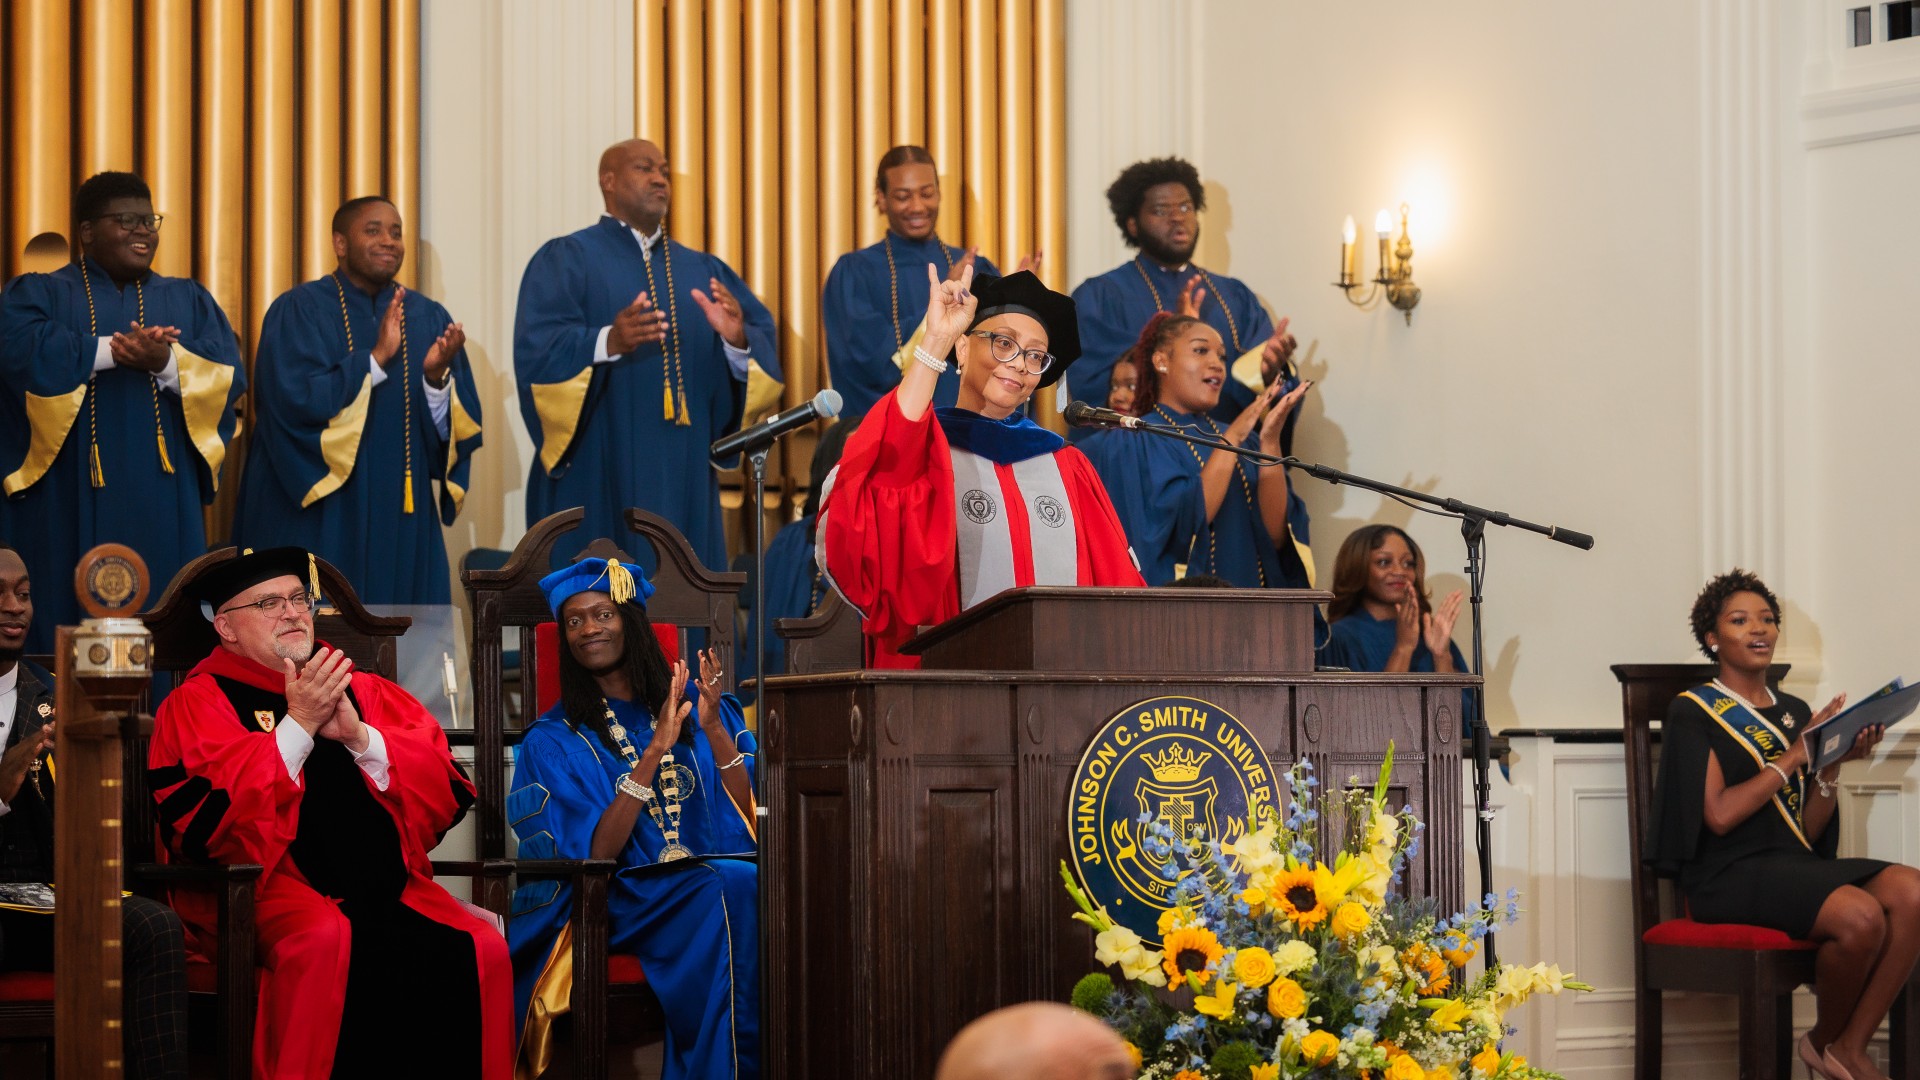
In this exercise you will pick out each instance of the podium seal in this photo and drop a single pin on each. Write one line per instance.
(111, 583)
(1179, 760)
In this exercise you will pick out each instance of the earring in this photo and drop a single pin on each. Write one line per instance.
(1713, 648)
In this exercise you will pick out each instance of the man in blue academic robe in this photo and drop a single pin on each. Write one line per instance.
(633, 354)
(1157, 204)
(363, 397)
(117, 387)
(874, 299)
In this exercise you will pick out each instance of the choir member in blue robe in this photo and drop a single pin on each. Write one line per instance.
(795, 586)
(633, 354)
(1190, 510)
(117, 387)
(363, 397)
(626, 768)
(1382, 618)
(875, 290)
(1157, 204)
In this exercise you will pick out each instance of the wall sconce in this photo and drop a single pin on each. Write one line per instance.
(1396, 265)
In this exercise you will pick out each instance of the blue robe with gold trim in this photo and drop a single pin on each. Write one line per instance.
(693, 924)
(328, 459)
(869, 314)
(50, 419)
(1360, 642)
(600, 433)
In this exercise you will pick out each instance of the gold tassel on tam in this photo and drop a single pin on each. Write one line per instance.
(99, 478)
(166, 463)
(406, 499)
(619, 582)
(313, 576)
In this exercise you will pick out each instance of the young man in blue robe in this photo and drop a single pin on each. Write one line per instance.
(873, 305)
(117, 387)
(626, 768)
(363, 397)
(1157, 205)
(633, 354)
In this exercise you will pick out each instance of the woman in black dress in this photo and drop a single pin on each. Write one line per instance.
(1751, 836)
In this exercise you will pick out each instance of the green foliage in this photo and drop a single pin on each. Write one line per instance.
(1090, 994)
(1235, 1061)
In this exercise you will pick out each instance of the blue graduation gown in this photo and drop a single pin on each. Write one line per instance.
(327, 463)
(1360, 642)
(870, 312)
(1155, 486)
(600, 436)
(694, 925)
(794, 589)
(1115, 306)
(49, 421)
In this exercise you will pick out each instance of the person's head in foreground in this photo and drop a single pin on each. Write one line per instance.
(1736, 621)
(1040, 1040)
(1181, 363)
(1379, 567)
(1022, 338)
(610, 648)
(261, 606)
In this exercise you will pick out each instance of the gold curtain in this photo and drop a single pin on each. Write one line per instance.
(773, 116)
(298, 105)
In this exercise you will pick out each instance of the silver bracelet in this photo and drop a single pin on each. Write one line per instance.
(1827, 787)
(737, 759)
(1785, 780)
(921, 354)
(630, 786)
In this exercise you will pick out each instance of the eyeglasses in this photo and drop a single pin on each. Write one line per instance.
(130, 222)
(272, 605)
(1006, 350)
(1163, 210)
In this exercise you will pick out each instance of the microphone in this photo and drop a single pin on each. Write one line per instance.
(825, 405)
(1081, 414)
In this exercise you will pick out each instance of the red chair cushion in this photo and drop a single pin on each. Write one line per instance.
(38, 985)
(546, 650)
(623, 970)
(1697, 935)
(200, 976)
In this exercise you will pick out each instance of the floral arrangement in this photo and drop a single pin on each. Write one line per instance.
(1273, 965)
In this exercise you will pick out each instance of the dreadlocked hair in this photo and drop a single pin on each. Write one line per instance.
(1128, 193)
(646, 668)
(1706, 607)
(1158, 334)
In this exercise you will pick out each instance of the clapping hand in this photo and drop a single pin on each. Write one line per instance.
(1276, 418)
(1030, 262)
(440, 354)
(1192, 296)
(19, 758)
(314, 690)
(1242, 425)
(723, 313)
(1276, 354)
(345, 726)
(1407, 623)
(637, 324)
(673, 713)
(963, 265)
(391, 325)
(709, 686)
(1437, 628)
(144, 348)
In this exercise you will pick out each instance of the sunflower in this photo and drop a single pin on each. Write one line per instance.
(1190, 950)
(1300, 894)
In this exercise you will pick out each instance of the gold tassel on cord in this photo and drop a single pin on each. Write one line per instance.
(682, 419)
(406, 500)
(666, 401)
(99, 478)
(166, 463)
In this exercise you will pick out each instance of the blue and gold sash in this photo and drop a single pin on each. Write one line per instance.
(1761, 739)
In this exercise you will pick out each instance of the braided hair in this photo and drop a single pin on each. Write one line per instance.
(1158, 334)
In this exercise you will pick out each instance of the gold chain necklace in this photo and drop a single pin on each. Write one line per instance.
(674, 780)
(1233, 329)
(1246, 492)
(406, 387)
(96, 475)
(893, 282)
(675, 385)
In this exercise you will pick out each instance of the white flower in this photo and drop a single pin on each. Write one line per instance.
(1547, 979)
(1383, 830)
(1294, 956)
(1382, 956)
(1257, 850)
(1376, 876)
(1123, 947)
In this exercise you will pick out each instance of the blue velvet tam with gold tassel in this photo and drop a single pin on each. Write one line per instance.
(621, 581)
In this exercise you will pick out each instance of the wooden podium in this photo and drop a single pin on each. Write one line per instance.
(918, 818)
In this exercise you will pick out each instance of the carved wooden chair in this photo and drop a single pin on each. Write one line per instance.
(826, 640)
(182, 637)
(1761, 966)
(687, 596)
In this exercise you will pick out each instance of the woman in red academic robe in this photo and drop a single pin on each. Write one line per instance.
(933, 510)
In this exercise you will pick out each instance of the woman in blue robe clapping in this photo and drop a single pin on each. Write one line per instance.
(625, 767)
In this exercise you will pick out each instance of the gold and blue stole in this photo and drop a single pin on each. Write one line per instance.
(1761, 739)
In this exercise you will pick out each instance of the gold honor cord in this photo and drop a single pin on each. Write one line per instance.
(406, 388)
(675, 781)
(1246, 492)
(96, 475)
(893, 283)
(1233, 329)
(676, 380)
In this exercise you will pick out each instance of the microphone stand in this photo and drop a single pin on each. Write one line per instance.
(1473, 526)
(761, 624)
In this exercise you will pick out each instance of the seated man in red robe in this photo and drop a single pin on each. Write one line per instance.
(276, 751)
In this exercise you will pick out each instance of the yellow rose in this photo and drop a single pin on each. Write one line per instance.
(1268, 1071)
(1349, 919)
(1487, 1061)
(1188, 1074)
(1457, 949)
(1133, 1055)
(1443, 1072)
(1253, 967)
(1294, 956)
(1402, 1067)
(1320, 1047)
(1286, 999)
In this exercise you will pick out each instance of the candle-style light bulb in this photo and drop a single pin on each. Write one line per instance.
(1383, 224)
(1348, 233)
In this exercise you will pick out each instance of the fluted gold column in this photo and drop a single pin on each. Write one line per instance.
(980, 136)
(366, 103)
(909, 73)
(107, 98)
(873, 128)
(270, 217)
(320, 166)
(166, 158)
(220, 231)
(686, 143)
(838, 188)
(1014, 54)
(943, 115)
(39, 125)
(650, 70)
(762, 154)
(1050, 136)
(726, 176)
(403, 126)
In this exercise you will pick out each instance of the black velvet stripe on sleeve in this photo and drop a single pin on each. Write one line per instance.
(165, 776)
(183, 798)
(193, 844)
